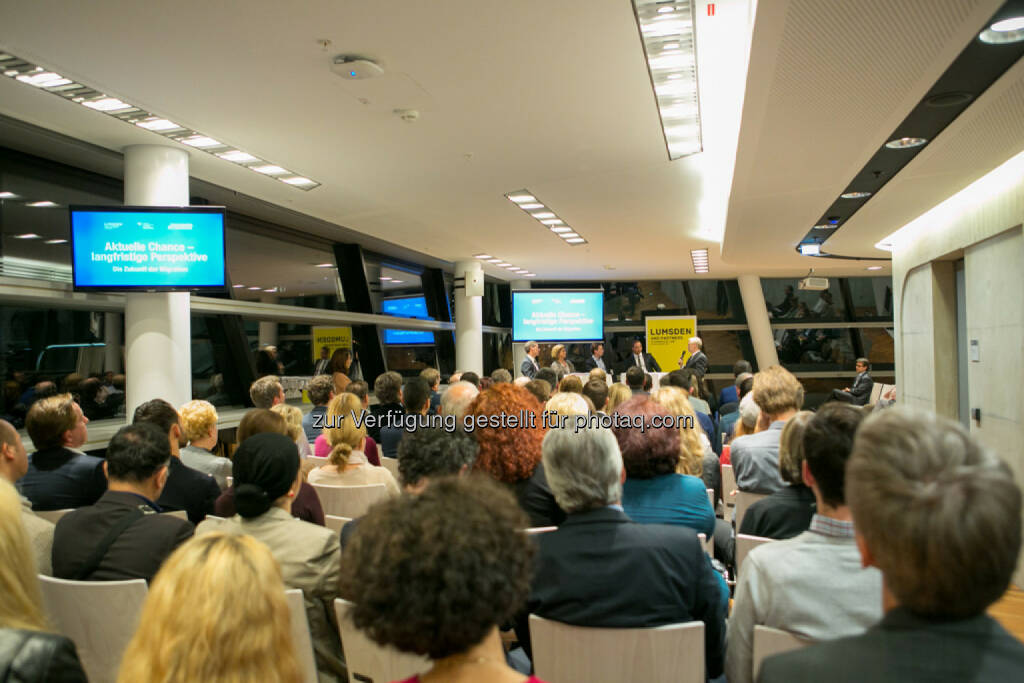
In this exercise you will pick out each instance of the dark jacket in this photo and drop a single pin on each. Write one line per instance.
(861, 389)
(59, 478)
(32, 656)
(189, 490)
(699, 362)
(630, 360)
(535, 497)
(138, 551)
(379, 410)
(784, 514)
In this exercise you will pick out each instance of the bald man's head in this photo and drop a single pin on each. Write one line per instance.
(13, 459)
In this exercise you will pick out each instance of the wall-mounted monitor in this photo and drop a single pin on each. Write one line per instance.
(407, 307)
(147, 248)
(558, 315)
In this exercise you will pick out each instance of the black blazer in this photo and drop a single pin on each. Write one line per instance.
(698, 362)
(136, 554)
(599, 568)
(630, 361)
(861, 389)
(589, 364)
(31, 656)
(190, 490)
(904, 647)
(528, 369)
(59, 478)
(379, 410)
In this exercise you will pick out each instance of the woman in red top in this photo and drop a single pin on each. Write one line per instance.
(436, 573)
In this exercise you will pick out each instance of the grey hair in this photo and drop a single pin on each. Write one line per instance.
(529, 345)
(583, 468)
(749, 411)
(388, 387)
(501, 375)
(455, 401)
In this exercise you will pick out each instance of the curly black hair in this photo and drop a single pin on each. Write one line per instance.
(434, 452)
(434, 573)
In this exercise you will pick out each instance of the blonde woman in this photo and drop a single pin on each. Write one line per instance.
(293, 417)
(215, 612)
(346, 463)
(618, 394)
(565, 403)
(199, 425)
(697, 457)
(27, 651)
(560, 364)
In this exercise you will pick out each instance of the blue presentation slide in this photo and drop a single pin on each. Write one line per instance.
(147, 249)
(557, 315)
(408, 307)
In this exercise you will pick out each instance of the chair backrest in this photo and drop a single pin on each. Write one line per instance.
(708, 543)
(391, 465)
(770, 641)
(300, 635)
(745, 543)
(728, 486)
(52, 515)
(100, 617)
(711, 497)
(334, 523)
(349, 501)
(534, 530)
(367, 659)
(744, 499)
(180, 514)
(672, 653)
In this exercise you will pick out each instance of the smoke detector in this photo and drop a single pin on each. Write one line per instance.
(355, 68)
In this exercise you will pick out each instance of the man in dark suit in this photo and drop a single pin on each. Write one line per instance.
(122, 536)
(323, 364)
(416, 402)
(860, 393)
(186, 489)
(601, 569)
(729, 397)
(638, 358)
(923, 491)
(59, 475)
(697, 361)
(530, 367)
(596, 359)
(388, 390)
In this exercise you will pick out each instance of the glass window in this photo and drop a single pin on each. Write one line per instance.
(265, 269)
(815, 349)
(785, 300)
(879, 346)
(872, 298)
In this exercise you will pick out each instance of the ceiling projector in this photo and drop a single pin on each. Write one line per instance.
(355, 68)
(813, 284)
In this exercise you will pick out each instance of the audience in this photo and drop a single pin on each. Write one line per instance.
(216, 613)
(346, 463)
(471, 377)
(29, 652)
(601, 569)
(199, 426)
(686, 381)
(940, 517)
(59, 475)
(13, 465)
(388, 389)
(571, 384)
(500, 376)
(635, 380)
(185, 489)
(267, 479)
(266, 392)
(755, 458)
(597, 391)
(439, 573)
(813, 585)
(599, 374)
(750, 416)
(361, 390)
(457, 399)
(415, 402)
(730, 394)
(548, 375)
(122, 536)
(618, 394)
(540, 388)
(293, 418)
(339, 367)
(320, 390)
(698, 458)
(432, 376)
(729, 413)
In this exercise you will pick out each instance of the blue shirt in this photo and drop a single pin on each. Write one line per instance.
(669, 499)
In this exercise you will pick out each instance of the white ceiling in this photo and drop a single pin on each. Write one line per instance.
(550, 96)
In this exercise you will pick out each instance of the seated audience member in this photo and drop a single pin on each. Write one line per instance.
(347, 464)
(439, 573)
(599, 374)
(360, 390)
(571, 384)
(521, 381)
(597, 391)
(186, 489)
(199, 426)
(787, 512)
(388, 389)
(813, 585)
(923, 491)
(122, 536)
(416, 402)
(425, 455)
(293, 418)
(266, 392)
(457, 399)
(470, 377)
(91, 399)
(697, 458)
(750, 416)
(635, 380)
(540, 389)
(432, 376)
(29, 651)
(655, 492)
(267, 479)
(684, 379)
(618, 394)
(601, 569)
(500, 376)
(729, 413)
(59, 475)
(215, 612)
(548, 375)
(306, 505)
(730, 394)
(755, 458)
(691, 383)
(13, 465)
(320, 390)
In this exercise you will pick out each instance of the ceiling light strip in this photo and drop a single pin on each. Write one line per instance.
(52, 82)
(487, 258)
(544, 215)
(668, 33)
(699, 258)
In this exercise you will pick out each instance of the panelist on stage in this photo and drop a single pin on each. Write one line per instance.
(596, 360)
(638, 358)
(697, 361)
(530, 367)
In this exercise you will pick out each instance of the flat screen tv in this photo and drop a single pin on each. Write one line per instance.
(407, 307)
(557, 315)
(147, 248)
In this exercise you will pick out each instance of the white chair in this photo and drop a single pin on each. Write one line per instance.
(100, 617)
(728, 486)
(744, 499)
(349, 501)
(744, 544)
(300, 635)
(52, 515)
(180, 514)
(563, 653)
(708, 543)
(368, 661)
(391, 465)
(711, 498)
(770, 641)
(534, 530)
(334, 523)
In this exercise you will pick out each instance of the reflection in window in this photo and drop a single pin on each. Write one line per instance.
(786, 302)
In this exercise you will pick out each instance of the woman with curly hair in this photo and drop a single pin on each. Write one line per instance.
(215, 612)
(436, 574)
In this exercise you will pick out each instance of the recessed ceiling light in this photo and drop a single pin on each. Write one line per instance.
(546, 217)
(56, 241)
(543, 214)
(567, 235)
(41, 205)
(269, 169)
(905, 143)
(157, 124)
(512, 267)
(521, 198)
(529, 274)
(552, 221)
(398, 282)
(854, 195)
(483, 256)
(237, 156)
(873, 268)
(384, 278)
(665, 10)
(298, 180)
(575, 240)
(534, 205)
(201, 141)
(325, 265)
(271, 290)
(810, 249)
(237, 286)
(253, 289)
(494, 260)
(825, 226)
(561, 228)
(1011, 24)
(671, 46)
(1009, 30)
(8, 195)
(46, 79)
(107, 104)
(699, 259)
(27, 236)
(502, 264)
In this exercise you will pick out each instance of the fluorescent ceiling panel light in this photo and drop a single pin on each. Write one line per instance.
(43, 79)
(561, 228)
(384, 278)
(482, 256)
(8, 195)
(494, 260)
(238, 286)
(56, 241)
(854, 195)
(575, 240)
(548, 218)
(825, 226)
(27, 236)
(269, 169)
(253, 289)
(397, 282)
(552, 221)
(905, 143)
(237, 156)
(502, 264)
(158, 125)
(271, 290)
(529, 274)
(107, 104)
(534, 205)
(873, 268)
(298, 180)
(41, 205)
(202, 141)
(512, 267)
(325, 265)
(521, 198)
(810, 249)
(543, 214)
(699, 259)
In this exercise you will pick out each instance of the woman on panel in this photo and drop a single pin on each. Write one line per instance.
(560, 364)
(346, 463)
(267, 478)
(438, 573)
(341, 363)
(215, 613)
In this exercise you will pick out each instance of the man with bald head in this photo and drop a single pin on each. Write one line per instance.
(457, 398)
(13, 466)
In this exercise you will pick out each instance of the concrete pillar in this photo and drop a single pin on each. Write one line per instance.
(469, 320)
(757, 321)
(518, 349)
(112, 326)
(158, 348)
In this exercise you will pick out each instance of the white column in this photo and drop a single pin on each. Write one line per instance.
(158, 350)
(469, 321)
(268, 328)
(518, 349)
(112, 338)
(757, 321)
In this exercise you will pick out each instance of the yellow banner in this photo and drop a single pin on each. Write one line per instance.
(331, 339)
(667, 336)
